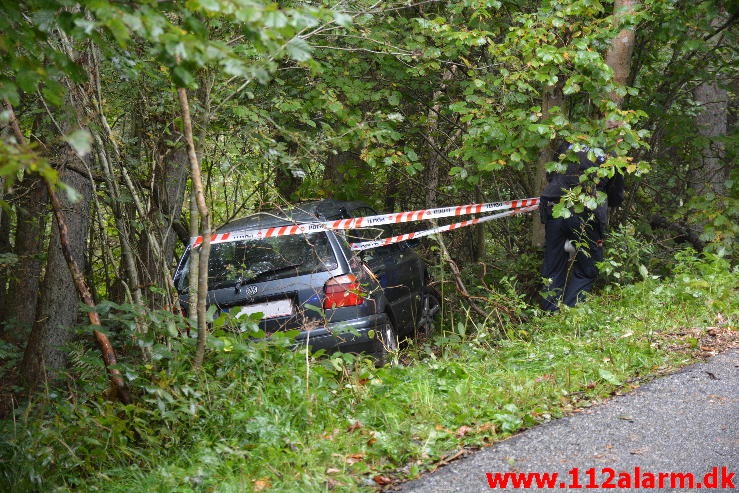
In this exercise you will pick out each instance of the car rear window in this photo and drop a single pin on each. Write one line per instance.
(266, 259)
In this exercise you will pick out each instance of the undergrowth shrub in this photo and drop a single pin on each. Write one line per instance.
(251, 395)
(261, 414)
(628, 257)
(718, 218)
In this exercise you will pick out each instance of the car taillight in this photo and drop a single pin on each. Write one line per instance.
(342, 291)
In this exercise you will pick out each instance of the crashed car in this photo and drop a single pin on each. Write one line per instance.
(336, 298)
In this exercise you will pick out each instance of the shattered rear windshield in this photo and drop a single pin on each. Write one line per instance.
(266, 259)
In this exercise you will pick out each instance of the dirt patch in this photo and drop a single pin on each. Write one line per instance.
(705, 342)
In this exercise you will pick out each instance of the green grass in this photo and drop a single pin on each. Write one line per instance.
(259, 418)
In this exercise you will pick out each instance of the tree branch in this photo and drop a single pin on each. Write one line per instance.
(202, 208)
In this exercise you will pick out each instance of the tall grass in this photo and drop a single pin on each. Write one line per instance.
(262, 417)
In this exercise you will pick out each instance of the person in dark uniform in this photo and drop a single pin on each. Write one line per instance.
(581, 233)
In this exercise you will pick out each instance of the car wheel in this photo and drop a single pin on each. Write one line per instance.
(386, 342)
(430, 308)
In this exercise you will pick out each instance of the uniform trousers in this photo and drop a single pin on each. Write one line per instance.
(564, 281)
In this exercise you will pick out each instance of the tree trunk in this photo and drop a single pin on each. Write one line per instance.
(198, 195)
(59, 304)
(391, 192)
(712, 171)
(477, 234)
(431, 179)
(551, 98)
(287, 183)
(339, 182)
(6, 136)
(23, 291)
(168, 194)
(432, 172)
(5, 248)
(64, 283)
(618, 56)
(118, 385)
(194, 276)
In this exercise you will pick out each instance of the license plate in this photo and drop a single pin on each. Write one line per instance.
(269, 309)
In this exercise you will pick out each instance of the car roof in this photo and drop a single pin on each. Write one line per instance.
(301, 213)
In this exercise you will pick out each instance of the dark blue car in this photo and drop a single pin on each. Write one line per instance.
(338, 299)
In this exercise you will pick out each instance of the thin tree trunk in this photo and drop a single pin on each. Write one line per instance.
(122, 222)
(5, 248)
(194, 276)
(618, 56)
(551, 98)
(199, 198)
(432, 172)
(168, 191)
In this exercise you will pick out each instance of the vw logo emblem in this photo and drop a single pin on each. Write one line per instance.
(251, 290)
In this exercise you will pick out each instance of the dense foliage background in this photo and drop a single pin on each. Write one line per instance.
(117, 116)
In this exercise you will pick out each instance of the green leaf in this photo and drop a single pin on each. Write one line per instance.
(260, 74)
(559, 210)
(590, 203)
(211, 311)
(172, 329)
(275, 20)
(210, 5)
(298, 49)
(539, 129)
(721, 220)
(344, 20)
(72, 194)
(571, 88)
(119, 30)
(80, 140)
(9, 91)
(182, 77)
(27, 80)
(608, 376)
(234, 66)
(53, 92)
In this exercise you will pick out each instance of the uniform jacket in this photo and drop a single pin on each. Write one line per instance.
(559, 183)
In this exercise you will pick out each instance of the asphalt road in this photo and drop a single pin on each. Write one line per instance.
(687, 422)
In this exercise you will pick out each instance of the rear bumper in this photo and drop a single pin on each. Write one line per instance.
(349, 336)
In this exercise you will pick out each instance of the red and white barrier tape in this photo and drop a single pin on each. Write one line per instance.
(512, 207)
(366, 245)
